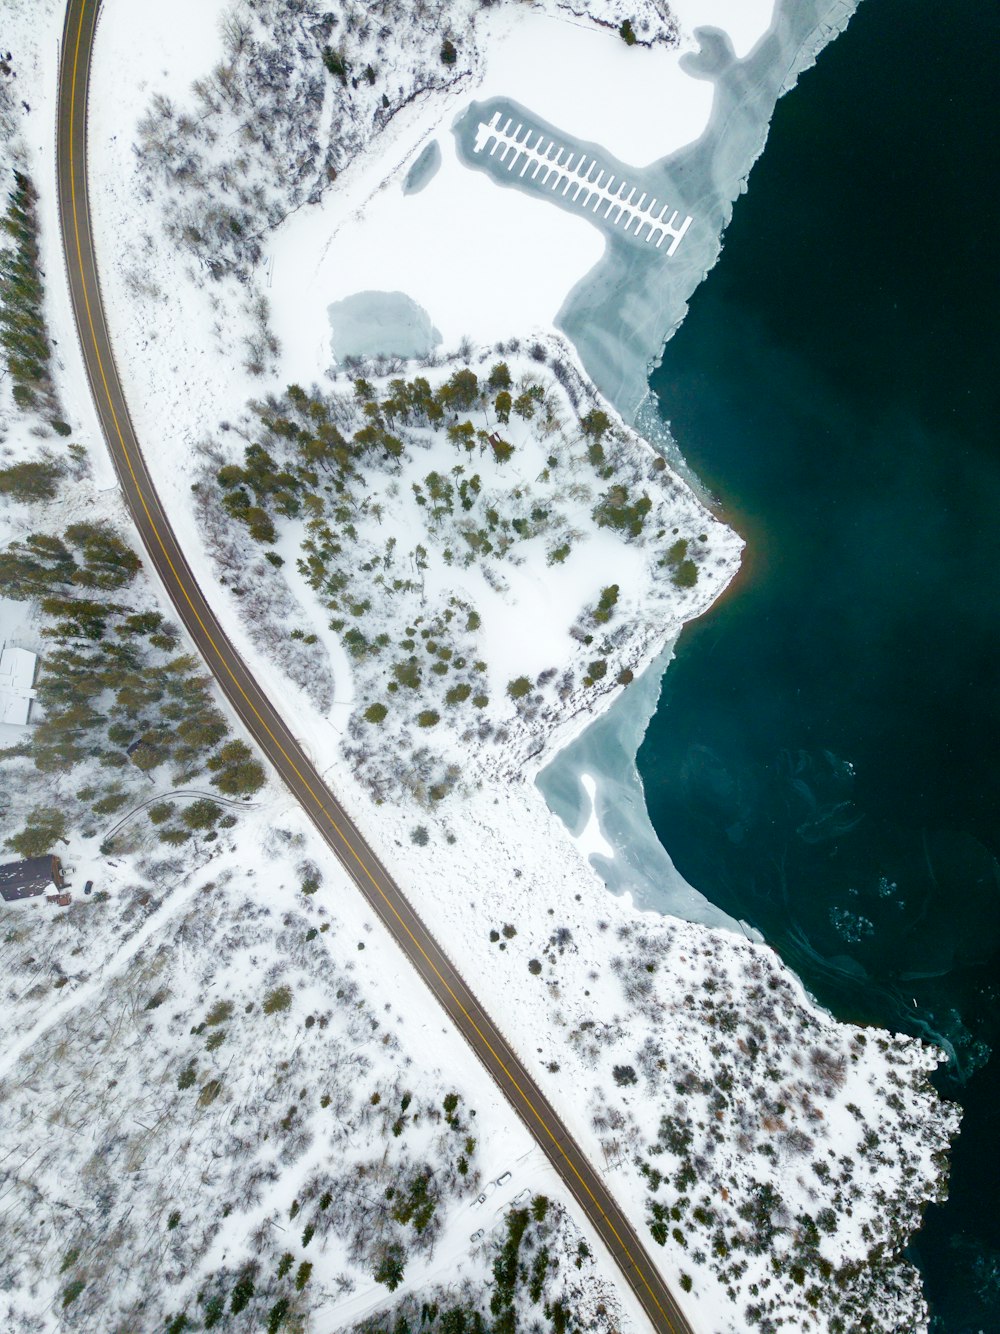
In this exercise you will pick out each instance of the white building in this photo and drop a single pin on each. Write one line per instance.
(17, 680)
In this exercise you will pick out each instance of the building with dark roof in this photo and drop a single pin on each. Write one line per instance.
(34, 875)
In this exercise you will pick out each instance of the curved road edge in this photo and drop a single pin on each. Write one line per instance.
(268, 728)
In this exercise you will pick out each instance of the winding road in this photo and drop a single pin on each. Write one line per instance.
(268, 728)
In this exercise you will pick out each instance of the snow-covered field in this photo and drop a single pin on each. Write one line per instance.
(688, 1061)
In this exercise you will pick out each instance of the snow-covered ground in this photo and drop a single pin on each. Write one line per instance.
(669, 1048)
(180, 966)
(487, 263)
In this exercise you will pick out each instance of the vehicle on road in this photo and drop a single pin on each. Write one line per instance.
(521, 1196)
(487, 1192)
(477, 1235)
(503, 1178)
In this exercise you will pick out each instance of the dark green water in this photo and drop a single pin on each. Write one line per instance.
(824, 759)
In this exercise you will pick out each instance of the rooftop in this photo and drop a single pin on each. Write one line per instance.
(32, 875)
(17, 678)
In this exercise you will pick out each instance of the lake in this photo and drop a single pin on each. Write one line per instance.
(823, 759)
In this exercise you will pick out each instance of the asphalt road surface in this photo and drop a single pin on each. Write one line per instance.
(267, 727)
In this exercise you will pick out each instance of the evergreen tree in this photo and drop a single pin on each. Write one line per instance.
(30, 481)
(43, 828)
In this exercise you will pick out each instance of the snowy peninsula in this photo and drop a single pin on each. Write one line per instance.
(384, 286)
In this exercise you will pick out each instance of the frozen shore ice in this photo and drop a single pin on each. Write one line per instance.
(621, 314)
(619, 318)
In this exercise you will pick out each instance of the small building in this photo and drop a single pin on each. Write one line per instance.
(34, 875)
(17, 681)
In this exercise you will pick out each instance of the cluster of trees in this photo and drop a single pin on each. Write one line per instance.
(530, 1288)
(262, 135)
(23, 334)
(203, 1129)
(745, 1180)
(31, 481)
(113, 689)
(330, 443)
(383, 1209)
(341, 465)
(676, 558)
(316, 459)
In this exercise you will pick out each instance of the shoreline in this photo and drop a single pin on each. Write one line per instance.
(618, 786)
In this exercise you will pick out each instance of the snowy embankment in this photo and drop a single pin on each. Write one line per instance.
(688, 1061)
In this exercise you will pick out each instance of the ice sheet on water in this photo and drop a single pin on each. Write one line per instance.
(424, 169)
(371, 324)
(619, 318)
(621, 314)
(606, 752)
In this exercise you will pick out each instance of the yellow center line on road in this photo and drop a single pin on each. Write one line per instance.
(127, 455)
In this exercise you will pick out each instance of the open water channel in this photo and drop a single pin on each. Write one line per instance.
(823, 760)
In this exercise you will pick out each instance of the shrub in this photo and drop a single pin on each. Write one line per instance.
(236, 772)
(219, 1013)
(30, 481)
(448, 57)
(243, 1290)
(72, 1291)
(276, 1315)
(458, 694)
(534, 966)
(420, 836)
(428, 718)
(627, 33)
(44, 827)
(519, 687)
(390, 1268)
(278, 999)
(375, 713)
(595, 423)
(209, 1092)
(609, 597)
(624, 1075)
(201, 814)
(686, 574)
